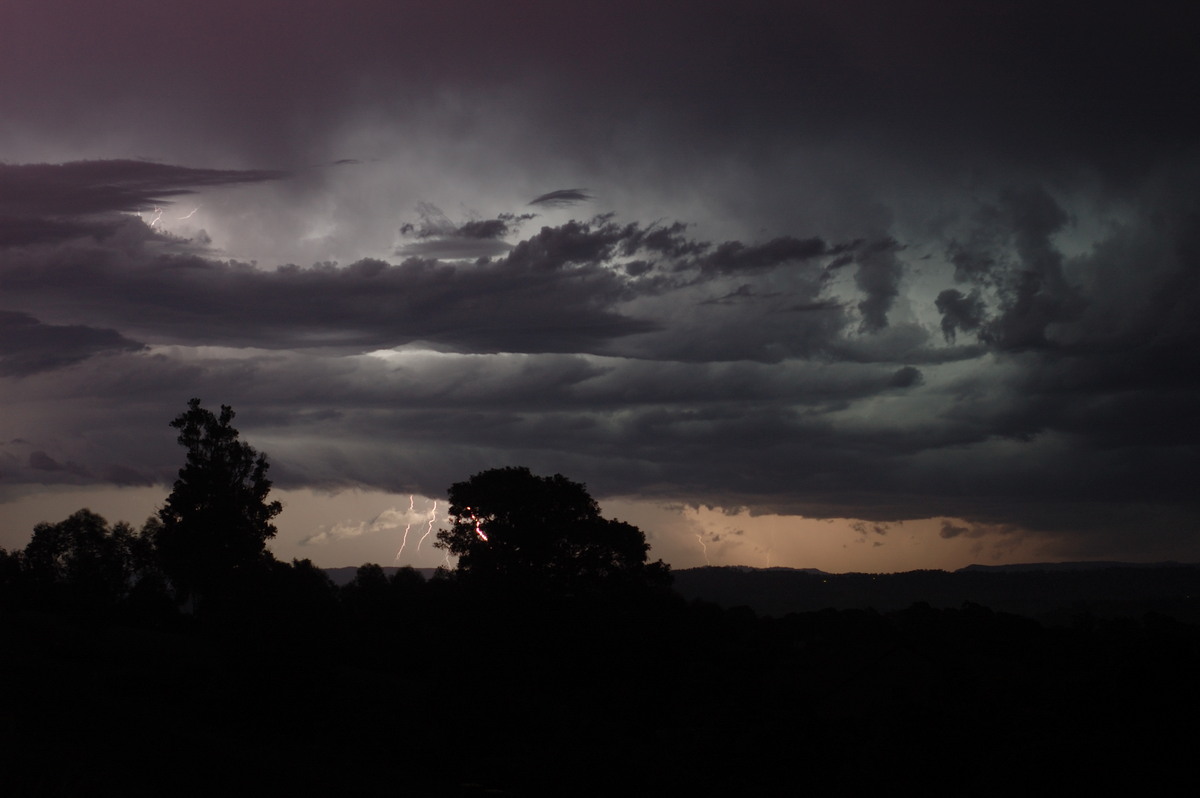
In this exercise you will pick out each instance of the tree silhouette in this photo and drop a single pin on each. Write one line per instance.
(515, 527)
(369, 590)
(217, 520)
(81, 562)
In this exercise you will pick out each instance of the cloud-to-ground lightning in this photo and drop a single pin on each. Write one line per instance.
(429, 529)
(703, 547)
(157, 216)
(408, 526)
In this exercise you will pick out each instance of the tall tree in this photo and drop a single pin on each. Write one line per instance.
(217, 520)
(509, 524)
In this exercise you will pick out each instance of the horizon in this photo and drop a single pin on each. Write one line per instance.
(379, 543)
(858, 287)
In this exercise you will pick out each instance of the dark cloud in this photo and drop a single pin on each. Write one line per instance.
(959, 312)
(30, 346)
(1037, 293)
(906, 377)
(40, 461)
(19, 231)
(864, 529)
(440, 238)
(574, 243)
(743, 291)
(451, 248)
(787, 427)
(952, 530)
(432, 223)
(562, 198)
(878, 276)
(1003, 78)
(735, 256)
(1011, 250)
(91, 187)
(551, 293)
(557, 290)
(809, 307)
(486, 228)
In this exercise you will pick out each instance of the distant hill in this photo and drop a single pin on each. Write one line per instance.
(1058, 593)
(1068, 566)
(1051, 592)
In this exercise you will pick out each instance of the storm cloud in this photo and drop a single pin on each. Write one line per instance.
(863, 260)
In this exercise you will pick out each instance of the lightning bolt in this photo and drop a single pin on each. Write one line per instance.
(478, 527)
(190, 215)
(157, 216)
(432, 518)
(703, 547)
(404, 541)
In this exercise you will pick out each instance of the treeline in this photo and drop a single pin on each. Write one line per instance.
(183, 659)
(401, 685)
(88, 570)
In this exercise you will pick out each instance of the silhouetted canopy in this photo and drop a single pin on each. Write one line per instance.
(217, 520)
(508, 523)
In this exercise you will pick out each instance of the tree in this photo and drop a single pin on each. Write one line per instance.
(511, 525)
(12, 584)
(369, 590)
(81, 562)
(217, 520)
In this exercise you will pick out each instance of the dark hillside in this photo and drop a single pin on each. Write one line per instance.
(1052, 592)
(405, 687)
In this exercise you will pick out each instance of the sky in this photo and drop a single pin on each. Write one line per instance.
(858, 286)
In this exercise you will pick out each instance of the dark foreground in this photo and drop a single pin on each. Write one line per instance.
(442, 691)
